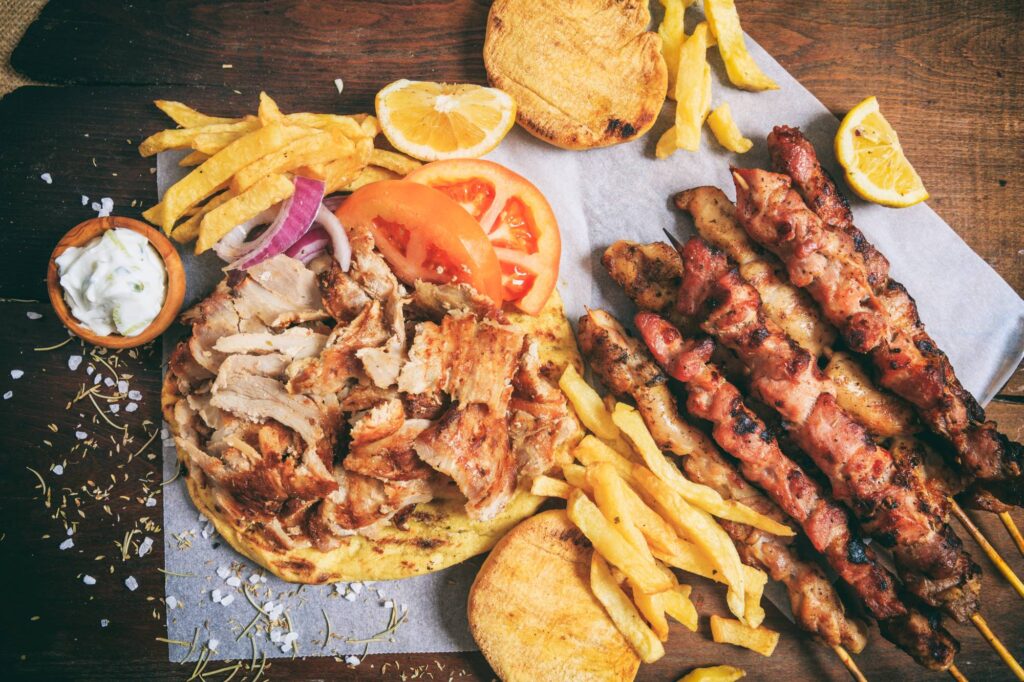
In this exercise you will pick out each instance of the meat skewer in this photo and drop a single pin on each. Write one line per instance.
(740, 433)
(627, 370)
(825, 253)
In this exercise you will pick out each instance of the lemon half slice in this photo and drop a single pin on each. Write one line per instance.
(870, 152)
(433, 121)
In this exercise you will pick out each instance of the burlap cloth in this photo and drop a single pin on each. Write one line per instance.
(15, 16)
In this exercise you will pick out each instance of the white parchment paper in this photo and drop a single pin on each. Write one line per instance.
(598, 196)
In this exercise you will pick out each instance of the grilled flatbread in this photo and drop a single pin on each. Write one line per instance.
(306, 445)
(583, 74)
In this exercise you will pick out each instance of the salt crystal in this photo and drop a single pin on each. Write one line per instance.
(291, 637)
(276, 613)
(33, 315)
(226, 601)
(234, 581)
(350, 596)
(134, 395)
(58, 469)
(164, 433)
(380, 594)
(352, 660)
(217, 595)
(74, 361)
(88, 370)
(131, 407)
(17, 374)
(122, 386)
(223, 572)
(131, 583)
(213, 644)
(47, 178)
(253, 579)
(71, 531)
(67, 544)
(96, 379)
(340, 84)
(88, 580)
(388, 604)
(104, 622)
(286, 647)
(8, 395)
(275, 635)
(356, 587)
(145, 547)
(81, 435)
(108, 382)
(150, 501)
(106, 207)
(114, 408)
(339, 588)
(85, 200)
(172, 602)
(206, 534)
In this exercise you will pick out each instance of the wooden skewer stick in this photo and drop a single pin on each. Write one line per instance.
(955, 673)
(1012, 528)
(850, 664)
(990, 637)
(987, 547)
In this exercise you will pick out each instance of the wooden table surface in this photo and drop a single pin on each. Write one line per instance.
(950, 76)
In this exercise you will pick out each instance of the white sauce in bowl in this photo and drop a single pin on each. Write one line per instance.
(115, 283)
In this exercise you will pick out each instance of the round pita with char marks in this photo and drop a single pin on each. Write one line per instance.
(533, 614)
(583, 74)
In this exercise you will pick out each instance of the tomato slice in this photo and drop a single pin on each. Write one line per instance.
(424, 234)
(516, 217)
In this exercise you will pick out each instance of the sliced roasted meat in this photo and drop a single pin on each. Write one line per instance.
(278, 292)
(626, 368)
(540, 423)
(391, 457)
(648, 273)
(430, 301)
(295, 342)
(342, 296)
(379, 421)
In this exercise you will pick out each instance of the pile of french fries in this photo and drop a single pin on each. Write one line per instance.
(244, 166)
(644, 518)
(689, 75)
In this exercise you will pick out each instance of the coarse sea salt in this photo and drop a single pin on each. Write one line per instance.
(47, 178)
(172, 602)
(67, 544)
(74, 361)
(114, 408)
(134, 395)
(352, 660)
(226, 601)
(340, 84)
(223, 572)
(32, 315)
(17, 374)
(81, 435)
(213, 644)
(216, 595)
(234, 581)
(150, 501)
(108, 382)
(131, 407)
(8, 395)
(131, 583)
(58, 469)
(88, 580)
(122, 386)
(145, 547)
(105, 208)
(253, 579)
(104, 622)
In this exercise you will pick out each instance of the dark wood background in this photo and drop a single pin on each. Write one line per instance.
(950, 76)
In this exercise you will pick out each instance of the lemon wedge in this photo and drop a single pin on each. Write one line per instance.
(432, 121)
(870, 152)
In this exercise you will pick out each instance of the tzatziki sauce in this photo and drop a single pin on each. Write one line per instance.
(115, 283)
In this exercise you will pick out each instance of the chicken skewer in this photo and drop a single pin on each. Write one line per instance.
(625, 366)
(627, 371)
(883, 414)
(832, 260)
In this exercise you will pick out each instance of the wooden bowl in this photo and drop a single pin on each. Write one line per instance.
(81, 234)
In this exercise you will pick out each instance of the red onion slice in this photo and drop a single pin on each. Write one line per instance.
(339, 238)
(309, 246)
(293, 221)
(232, 246)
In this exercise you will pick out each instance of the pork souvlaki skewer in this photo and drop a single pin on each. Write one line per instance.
(826, 523)
(626, 367)
(825, 253)
(628, 371)
(891, 501)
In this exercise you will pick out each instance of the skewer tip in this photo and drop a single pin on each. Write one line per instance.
(850, 664)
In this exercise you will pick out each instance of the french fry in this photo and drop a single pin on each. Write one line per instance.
(672, 36)
(271, 190)
(545, 486)
(699, 528)
(622, 612)
(370, 126)
(743, 71)
(613, 546)
(182, 138)
(652, 608)
(189, 230)
(591, 450)
(193, 159)
(691, 95)
(610, 495)
(187, 117)
(393, 161)
(369, 175)
(348, 125)
(677, 604)
(728, 631)
(219, 169)
(632, 426)
(211, 143)
(296, 153)
(268, 110)
(341, 172)
(726, 132)
(753, 584)
(576, 476)
(587, 404)
(717, 673)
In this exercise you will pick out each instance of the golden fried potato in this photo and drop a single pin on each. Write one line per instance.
(742, 69)
(583, 74)
(728, 631)
(532, 612)
(717, 673)
(727, 132)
